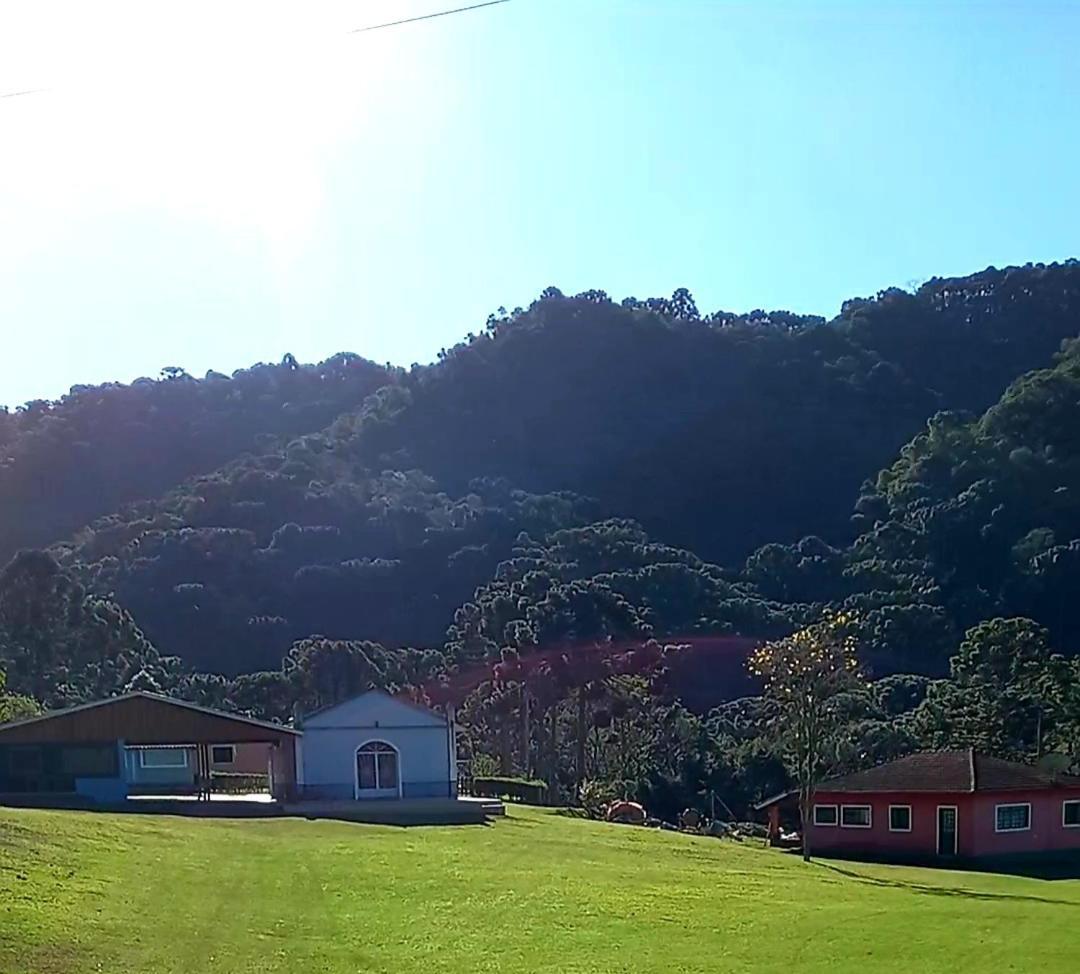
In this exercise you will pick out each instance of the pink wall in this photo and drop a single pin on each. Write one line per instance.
(920, 841)
(1047, 834)
(249, 759)
(975, 825)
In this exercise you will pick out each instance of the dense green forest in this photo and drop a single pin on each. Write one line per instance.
(577, 523)
(65, 463)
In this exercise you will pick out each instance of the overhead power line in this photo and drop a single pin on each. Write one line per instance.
(358, 30)
(441, 13)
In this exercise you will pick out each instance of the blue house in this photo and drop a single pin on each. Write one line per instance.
(375, 746)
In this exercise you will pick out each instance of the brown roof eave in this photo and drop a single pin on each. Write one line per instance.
(108, 701)
(775, 799)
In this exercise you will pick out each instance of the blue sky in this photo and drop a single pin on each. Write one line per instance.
(226, 186)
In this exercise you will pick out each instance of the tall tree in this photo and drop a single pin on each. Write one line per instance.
(60, 645)
(803, 675)
(1008, 694)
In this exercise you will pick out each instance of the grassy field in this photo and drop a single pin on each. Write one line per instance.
(536, 892)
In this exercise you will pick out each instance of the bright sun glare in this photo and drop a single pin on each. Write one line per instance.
(220, 112)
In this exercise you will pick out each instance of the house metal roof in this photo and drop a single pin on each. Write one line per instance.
(143, 717)
(420, 708)
(950, 772)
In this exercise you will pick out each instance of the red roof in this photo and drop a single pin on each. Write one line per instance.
(950, 771)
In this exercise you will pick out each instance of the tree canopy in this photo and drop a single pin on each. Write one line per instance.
(578, 524)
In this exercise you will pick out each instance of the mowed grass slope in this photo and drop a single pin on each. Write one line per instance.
(536, 892)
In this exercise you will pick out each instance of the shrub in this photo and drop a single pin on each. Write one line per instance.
(484, 766)
(595, 796)
(530, 791)
(234, 783)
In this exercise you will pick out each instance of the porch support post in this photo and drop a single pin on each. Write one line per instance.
(774, 824)
(203, 771)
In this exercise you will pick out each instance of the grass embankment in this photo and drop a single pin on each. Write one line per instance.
(536, 892)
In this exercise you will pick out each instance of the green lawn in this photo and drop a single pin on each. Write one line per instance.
(536, 892)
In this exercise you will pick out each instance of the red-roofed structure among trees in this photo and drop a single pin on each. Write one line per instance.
(944, 804)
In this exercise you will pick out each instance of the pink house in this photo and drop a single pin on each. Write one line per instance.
(944, 804)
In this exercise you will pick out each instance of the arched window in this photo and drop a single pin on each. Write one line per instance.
(377, 768)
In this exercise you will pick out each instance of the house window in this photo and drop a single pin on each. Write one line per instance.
(1070, 814)
(1012, 818)
(825, 815)
(223, 753)
(855, 816)
(376, 767)
(899, 818)
(163, 757)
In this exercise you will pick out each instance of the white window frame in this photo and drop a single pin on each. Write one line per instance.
(909, 818)
(870, 817)
(384, 744)
(827, 825)
(1064, 805)
(145, 752)
(998, 808)
(232, 753)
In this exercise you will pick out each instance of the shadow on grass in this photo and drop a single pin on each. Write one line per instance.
(928, 890)
(1061, 867)
(368, 823)
(385, 814)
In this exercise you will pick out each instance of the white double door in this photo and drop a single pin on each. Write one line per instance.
(378, 771)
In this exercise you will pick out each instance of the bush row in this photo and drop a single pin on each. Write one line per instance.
(233, 782)
(530, 791)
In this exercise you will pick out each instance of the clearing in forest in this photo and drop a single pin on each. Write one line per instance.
(534, 892)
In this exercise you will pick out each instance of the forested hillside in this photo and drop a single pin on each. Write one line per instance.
(717, 433)
(585, 516)
(64, 463)
(991, 506)
(720, 433)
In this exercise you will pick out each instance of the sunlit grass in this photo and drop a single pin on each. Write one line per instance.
(535, 892)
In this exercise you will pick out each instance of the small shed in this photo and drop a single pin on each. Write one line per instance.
(376, 746)
(105, 750)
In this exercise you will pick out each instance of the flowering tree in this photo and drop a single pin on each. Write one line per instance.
(802, 674)
(14, 706)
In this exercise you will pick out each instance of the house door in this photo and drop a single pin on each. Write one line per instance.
(946, 830)
(378, 773)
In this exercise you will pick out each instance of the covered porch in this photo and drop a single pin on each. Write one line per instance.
(98, 751)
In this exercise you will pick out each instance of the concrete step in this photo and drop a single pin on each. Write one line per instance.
(489, 806)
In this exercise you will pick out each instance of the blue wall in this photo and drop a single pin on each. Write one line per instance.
(426, 789)
(104, 790)
(329, 758)
(421, 738)
(158, 778)
(346, 790)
